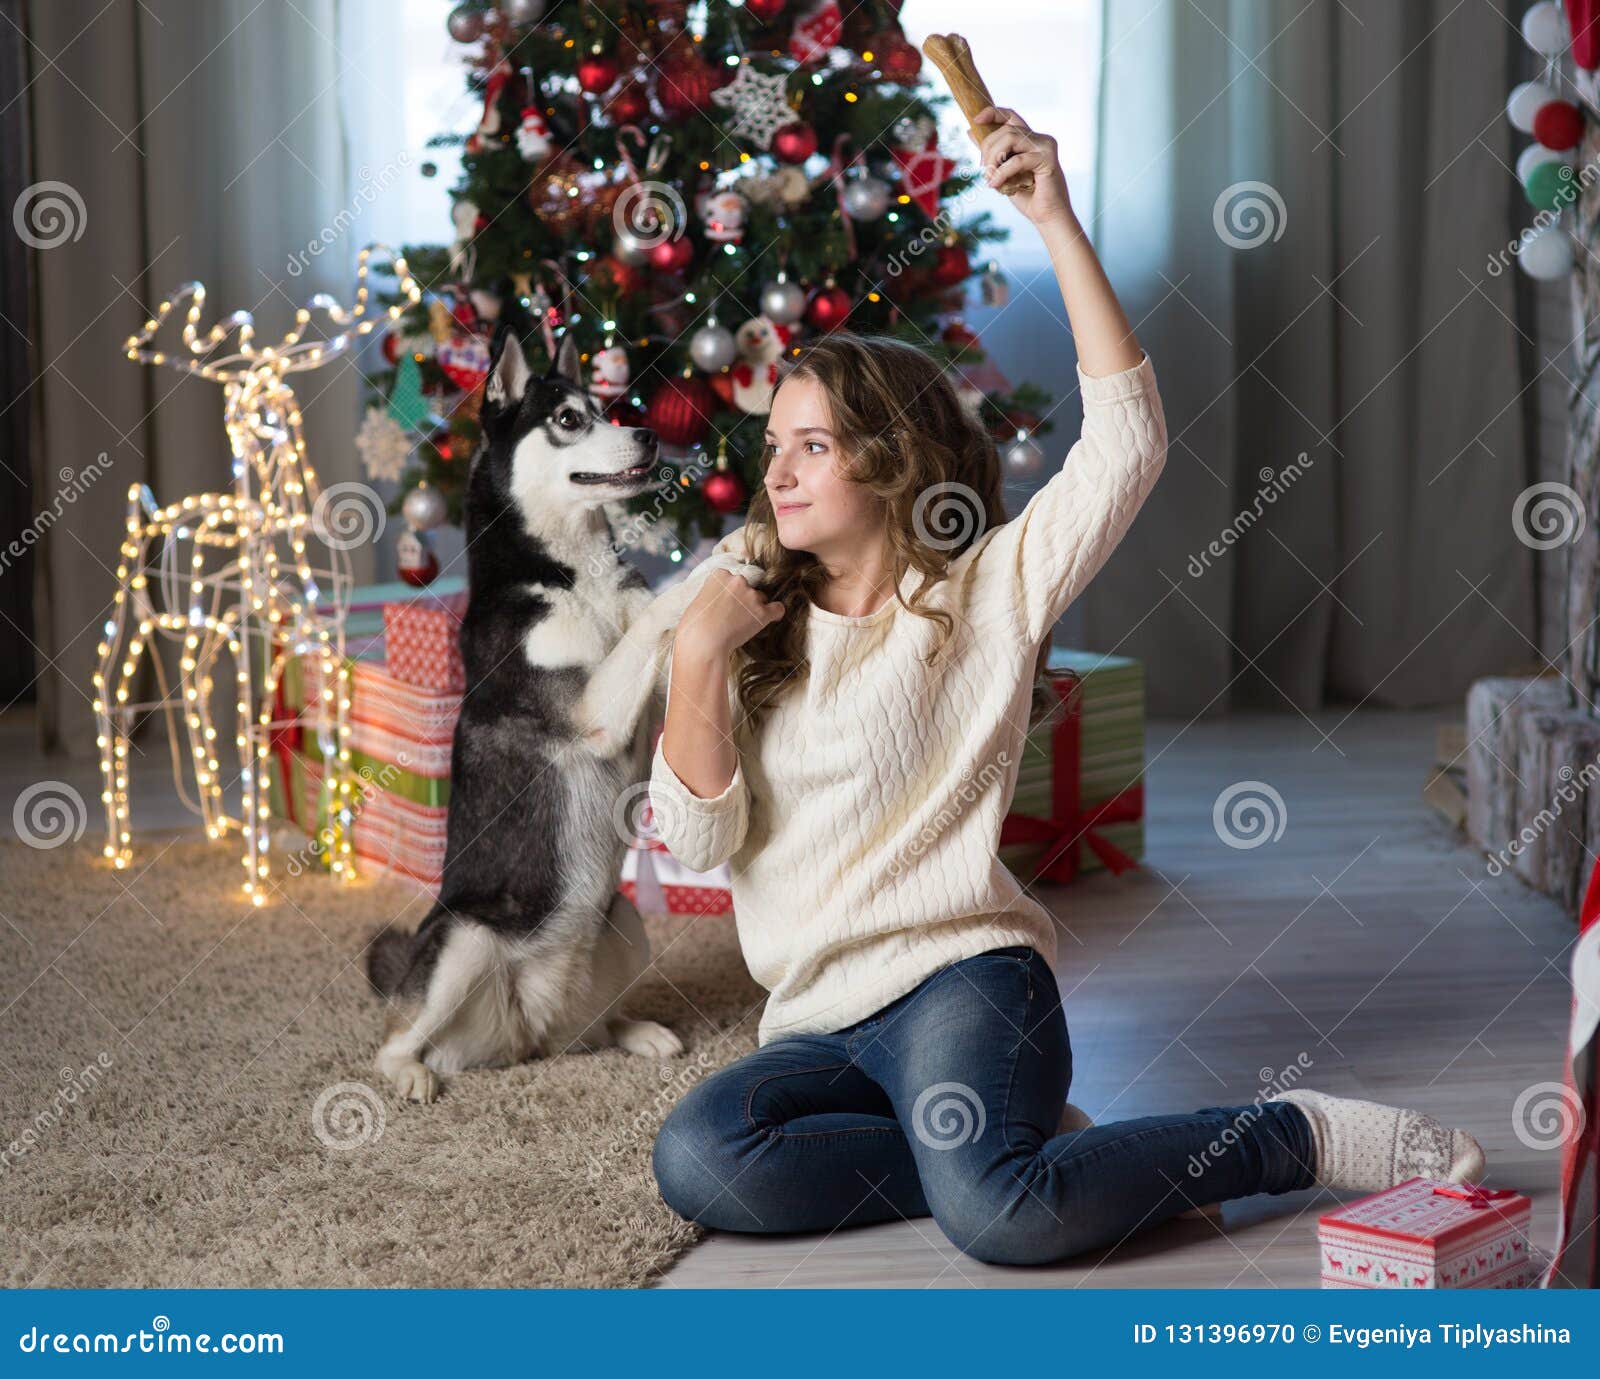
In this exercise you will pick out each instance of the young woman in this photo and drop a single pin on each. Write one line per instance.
(849, 734)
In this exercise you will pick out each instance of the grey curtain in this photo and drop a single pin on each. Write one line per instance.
(190, 141)
(1298, 203)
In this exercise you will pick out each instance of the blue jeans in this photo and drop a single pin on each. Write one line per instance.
(945, 1103)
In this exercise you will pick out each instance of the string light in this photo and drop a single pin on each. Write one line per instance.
(248, 598)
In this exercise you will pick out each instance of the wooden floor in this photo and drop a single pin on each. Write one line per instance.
(1368, 937)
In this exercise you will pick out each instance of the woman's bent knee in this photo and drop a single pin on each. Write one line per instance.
(1010, 1225)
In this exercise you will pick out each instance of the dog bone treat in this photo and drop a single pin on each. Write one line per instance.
(951, 55)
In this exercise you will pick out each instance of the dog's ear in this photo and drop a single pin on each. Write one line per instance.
(508, 368)
(566, 365)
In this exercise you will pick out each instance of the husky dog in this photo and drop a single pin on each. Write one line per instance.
(530, 947)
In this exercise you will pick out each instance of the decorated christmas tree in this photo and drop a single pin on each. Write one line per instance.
(691, 191)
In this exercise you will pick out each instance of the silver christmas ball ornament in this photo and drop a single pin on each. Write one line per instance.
(424, 508)
(632, 248)
(783, 301)
(866, 198)
(465, 24)
(712, 348)
(1023, 458)
(523, 11)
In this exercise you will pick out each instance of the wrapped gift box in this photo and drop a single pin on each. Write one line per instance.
(1079, 798)
(660, 885)
(1428, 1234)
(390, 830)
(421, 639)
(393, 721)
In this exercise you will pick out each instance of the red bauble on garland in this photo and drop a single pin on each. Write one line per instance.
(724, 490)
(951, 265)
(828, 309)
(794, 143)
(764, 10)
(681, 409)
(391, 347)
(1558, 125)
(596, 72)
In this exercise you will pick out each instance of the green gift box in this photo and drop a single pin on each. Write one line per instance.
(1078, 804)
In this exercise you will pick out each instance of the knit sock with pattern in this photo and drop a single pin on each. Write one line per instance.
(1365, 1146)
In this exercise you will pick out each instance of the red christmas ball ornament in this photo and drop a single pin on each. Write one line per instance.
(1558, 125)
(465, 314)
(596, 72)
(391, 347)
(951, 265)
(764, 10)
(629, 105)
(828, 309)
(611, 271)
(681, 409)
(898, 60)
(672, 255)
(684, 86)
(794, 143)
(959, 335)
(724, 490)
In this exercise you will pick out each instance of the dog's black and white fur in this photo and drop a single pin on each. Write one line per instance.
(530, 947)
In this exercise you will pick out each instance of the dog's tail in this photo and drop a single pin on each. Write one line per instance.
(389, 959)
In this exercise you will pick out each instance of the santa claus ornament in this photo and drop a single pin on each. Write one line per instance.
(609, 373)
(533, 136)
(724, 214)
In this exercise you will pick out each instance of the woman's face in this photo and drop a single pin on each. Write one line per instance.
(817, 508)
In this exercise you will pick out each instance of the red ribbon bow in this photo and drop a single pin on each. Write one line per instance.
(1070, 823)
(1475, 1194)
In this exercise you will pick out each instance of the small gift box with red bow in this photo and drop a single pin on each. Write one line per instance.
(1079, 799)
(1428, 1234)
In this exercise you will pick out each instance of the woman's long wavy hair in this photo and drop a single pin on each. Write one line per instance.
(900, 431)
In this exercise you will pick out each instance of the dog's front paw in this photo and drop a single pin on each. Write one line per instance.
(646, 1038)
(417, 1082)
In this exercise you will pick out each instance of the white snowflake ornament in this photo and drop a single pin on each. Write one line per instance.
(384, 444)
(760, 105)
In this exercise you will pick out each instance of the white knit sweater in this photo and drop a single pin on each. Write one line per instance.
(864, 815)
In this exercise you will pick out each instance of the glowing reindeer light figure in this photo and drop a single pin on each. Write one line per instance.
(232, 571)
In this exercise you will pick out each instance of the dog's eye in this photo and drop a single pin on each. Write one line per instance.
(568, 418)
